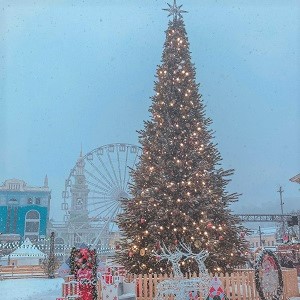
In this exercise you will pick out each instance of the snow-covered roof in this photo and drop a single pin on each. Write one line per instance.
(27, 249)
(21, 186)
(296, 178)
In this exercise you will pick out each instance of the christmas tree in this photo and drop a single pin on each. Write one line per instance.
(179, 188)
(51, 263)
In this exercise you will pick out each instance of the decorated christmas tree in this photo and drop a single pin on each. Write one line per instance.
(51, 263)
(179, 187)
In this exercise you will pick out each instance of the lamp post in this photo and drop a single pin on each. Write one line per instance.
(280, 191)
(51, 257)
(261, 241)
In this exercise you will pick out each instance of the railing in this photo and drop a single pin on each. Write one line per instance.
(239, 285)
(9, 272)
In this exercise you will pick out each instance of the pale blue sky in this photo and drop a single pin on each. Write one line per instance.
(77, 72)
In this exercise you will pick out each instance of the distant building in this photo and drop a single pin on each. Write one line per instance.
(24, 210)
(266, 238)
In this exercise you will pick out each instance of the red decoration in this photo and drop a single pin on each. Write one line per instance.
(130, 253)
(108, 278)
(221, 238)
(143, 220)
(157, 246)
(84, 253)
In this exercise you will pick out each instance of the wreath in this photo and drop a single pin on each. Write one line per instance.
(267, 263)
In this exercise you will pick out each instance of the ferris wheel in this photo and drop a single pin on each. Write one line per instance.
(94, 188)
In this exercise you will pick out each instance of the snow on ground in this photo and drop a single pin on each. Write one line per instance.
(31, 289)
(40, 289)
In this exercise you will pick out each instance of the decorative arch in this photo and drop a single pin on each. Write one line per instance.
(33, 215)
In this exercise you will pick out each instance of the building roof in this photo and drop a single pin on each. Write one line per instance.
(27, 249)
(17, 185)
(296, 178)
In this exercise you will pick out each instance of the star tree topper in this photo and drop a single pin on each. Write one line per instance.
(175, 10)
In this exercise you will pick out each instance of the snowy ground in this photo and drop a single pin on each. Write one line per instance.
(30, 289)
(39, 289)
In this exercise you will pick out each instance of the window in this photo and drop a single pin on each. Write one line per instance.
(14, 186)
(33, 214)
(32, 224)
(12, 216)
(12, 202)
(32, 227)
(79, 203)
(38, 201)
(29, 201)
(59, 241)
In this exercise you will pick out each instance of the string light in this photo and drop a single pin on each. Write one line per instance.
(179, 170)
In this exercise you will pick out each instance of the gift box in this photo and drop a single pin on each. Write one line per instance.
(70, 289)
(107, 278)
(65, 289)
(74, 288)
(119, 271)
(69, 278)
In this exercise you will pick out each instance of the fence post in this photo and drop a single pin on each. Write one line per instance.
(154, 285)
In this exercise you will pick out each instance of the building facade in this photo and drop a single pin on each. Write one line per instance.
(264, 237)
(24, 210)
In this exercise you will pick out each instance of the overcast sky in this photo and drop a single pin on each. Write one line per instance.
(83, 72)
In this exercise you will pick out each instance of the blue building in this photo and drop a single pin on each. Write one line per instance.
(24, 210)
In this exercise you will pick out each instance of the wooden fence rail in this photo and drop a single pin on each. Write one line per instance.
(239, 285)
(8, 272)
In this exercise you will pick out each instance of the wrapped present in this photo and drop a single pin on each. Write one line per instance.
(74, 288)
(107, 278)
(120, 271)
(69, 278)
(70, 288)
(65, 289)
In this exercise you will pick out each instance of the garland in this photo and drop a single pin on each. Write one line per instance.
(259, 266)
